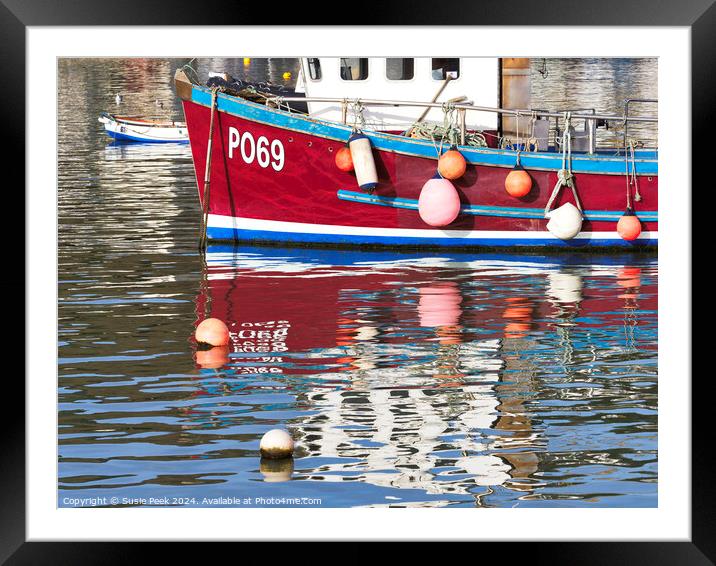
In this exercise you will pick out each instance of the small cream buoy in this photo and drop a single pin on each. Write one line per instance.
(363, 162)
(276, 444)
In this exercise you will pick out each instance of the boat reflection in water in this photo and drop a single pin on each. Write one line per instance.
(465, 379)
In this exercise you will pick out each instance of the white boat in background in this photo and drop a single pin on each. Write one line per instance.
(142, 129)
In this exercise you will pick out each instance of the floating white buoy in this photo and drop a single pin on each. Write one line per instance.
(118, 99)
(276, 444)
(363, 162)
(565, 222)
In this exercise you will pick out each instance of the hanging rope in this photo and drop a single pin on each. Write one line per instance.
(519, 144)
(357, 108)
(532, 142)
(207, 173)
(631, 177)
(564, 175)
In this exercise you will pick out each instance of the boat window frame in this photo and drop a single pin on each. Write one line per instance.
(412, 76)
(459, 68)
(367, 69)
(320, 69)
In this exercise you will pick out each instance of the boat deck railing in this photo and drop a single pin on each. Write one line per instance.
(466, 106)
(590, 117)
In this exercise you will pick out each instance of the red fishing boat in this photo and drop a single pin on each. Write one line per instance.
(271, 165)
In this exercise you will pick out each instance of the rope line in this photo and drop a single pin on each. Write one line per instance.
(565, 178)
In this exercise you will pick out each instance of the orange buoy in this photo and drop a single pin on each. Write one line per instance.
(439, 203)
(212, 331)
(452, 164)
(344, 159)
(629, 225)
(518, 182)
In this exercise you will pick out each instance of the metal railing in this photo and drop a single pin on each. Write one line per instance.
(468, 107)
(628, 101)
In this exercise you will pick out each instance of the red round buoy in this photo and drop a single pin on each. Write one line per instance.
(518, 182)
(629, 225)
(439, 203)
(344, 159)
(452, 164)
(212, 331)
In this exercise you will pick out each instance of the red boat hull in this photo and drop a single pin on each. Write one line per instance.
(296, 198)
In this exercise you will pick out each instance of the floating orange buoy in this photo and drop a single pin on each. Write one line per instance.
(518, 182)
(452, 164)
(439, 203)
(212, 331)
(344, 159)
(629, 225)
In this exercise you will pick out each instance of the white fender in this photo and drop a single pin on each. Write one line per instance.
(363, 162)
(565, 222)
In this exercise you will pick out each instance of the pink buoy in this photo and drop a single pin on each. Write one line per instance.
(439, 203)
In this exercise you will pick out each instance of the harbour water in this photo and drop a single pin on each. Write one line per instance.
(407, 379)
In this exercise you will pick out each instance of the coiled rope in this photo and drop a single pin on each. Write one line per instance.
(449, 131)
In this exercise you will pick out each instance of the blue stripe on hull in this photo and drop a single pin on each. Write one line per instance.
(487, 210)
(237, 234)
(581, 163)
(125, 137)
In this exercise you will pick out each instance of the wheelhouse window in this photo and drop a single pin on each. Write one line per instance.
(444, 68)
(314, 69)
(355, 69)
(399, 69)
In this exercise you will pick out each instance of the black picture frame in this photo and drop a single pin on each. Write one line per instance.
(17, 15)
